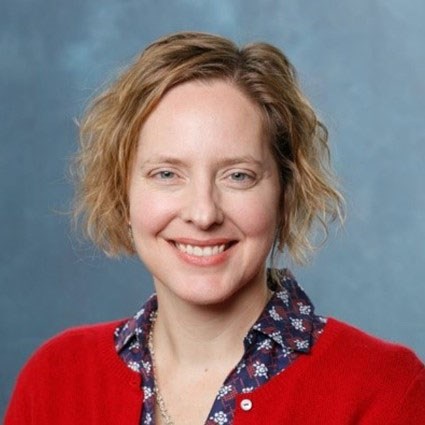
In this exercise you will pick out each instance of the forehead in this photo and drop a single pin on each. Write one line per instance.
(210, 111)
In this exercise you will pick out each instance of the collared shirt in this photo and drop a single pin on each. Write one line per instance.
(286, 329)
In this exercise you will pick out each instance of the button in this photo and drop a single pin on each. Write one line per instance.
(246, 404)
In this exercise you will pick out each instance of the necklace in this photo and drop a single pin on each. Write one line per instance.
(159, 400)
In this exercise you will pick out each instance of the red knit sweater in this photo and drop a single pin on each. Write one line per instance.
(348, 378)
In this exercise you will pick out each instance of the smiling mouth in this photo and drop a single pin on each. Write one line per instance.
(202, 251)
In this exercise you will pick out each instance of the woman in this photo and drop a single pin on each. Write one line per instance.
(203, 159)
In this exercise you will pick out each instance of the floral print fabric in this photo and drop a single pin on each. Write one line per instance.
(286, 329)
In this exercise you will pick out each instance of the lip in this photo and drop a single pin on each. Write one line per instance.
(203, 243)
(203, 261)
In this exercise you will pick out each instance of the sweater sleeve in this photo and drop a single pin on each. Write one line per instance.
(76, 377)
(412, 406)
(21, 402)
(41, 381)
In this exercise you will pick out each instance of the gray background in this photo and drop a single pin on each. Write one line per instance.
(362, 63)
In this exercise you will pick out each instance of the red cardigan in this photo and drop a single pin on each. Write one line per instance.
(348, 378)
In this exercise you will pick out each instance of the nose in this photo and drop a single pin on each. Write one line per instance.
(202, 206)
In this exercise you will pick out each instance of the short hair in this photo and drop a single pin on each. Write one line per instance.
(111, 124)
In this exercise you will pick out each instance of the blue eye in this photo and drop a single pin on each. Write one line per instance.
(239, 176)
(166, 175)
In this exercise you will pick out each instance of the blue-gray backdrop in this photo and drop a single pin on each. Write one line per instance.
(362, 64)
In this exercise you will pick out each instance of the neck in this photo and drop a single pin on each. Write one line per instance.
(205, 336)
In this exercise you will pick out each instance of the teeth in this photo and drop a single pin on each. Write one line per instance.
(200, 251)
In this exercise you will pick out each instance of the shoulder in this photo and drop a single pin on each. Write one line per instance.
(387, 377)
(360, 349)
(80, 336)
(74, 347)
(354, 374)
(83, 334)
(66, 371)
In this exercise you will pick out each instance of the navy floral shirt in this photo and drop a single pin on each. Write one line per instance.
(286, 329)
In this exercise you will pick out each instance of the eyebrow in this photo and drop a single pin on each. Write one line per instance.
(163, 159)
(167, 159)
(240, 160)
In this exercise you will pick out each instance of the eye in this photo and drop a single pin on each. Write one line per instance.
(239, 179)
(240, 176)
(165, 175)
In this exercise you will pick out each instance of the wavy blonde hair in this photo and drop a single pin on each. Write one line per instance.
(111, 124)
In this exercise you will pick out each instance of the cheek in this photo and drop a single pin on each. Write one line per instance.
(149, 214)
(258, 217)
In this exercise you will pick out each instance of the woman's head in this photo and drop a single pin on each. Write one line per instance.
(204, 194)
(112, 123)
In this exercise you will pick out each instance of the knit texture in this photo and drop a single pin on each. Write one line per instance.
(349, 377)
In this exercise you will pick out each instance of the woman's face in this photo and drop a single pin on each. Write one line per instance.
(204, 193)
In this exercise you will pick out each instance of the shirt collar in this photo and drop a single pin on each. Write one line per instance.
(288, 318)
(137, 327)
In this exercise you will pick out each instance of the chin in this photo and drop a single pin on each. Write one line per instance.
(204, 292)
